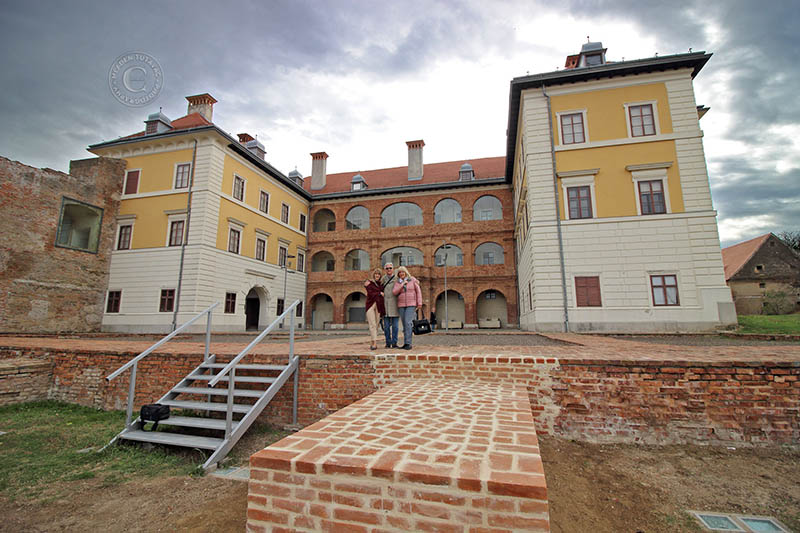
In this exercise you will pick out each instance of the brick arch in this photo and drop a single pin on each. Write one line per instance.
(440, 200)
(317, 292)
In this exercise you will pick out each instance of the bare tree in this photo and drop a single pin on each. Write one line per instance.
(791, 238)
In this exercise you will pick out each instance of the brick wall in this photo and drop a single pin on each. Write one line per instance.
(24, 380)
(657, 402)
(45, 288)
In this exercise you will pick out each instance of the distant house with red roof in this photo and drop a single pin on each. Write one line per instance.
(758, 266)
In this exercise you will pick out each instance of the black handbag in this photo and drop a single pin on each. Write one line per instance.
(153, 412)
(421, 326)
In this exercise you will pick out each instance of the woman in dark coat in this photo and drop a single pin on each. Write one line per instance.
(375, 307)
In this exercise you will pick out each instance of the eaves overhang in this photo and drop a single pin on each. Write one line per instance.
(410, 188)
(232, 144)
(693, 60)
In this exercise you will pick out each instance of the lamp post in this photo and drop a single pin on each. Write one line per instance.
(445, 247)
(285, 267)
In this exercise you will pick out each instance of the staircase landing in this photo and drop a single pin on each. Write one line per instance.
(432, 455)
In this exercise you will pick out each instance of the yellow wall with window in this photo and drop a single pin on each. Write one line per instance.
(255, 183)
(615, 193)
(158, 170)
(606, 112)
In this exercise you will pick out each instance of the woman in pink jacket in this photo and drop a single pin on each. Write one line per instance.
(409, 299)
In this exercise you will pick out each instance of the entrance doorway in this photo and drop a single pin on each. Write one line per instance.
(252, 309)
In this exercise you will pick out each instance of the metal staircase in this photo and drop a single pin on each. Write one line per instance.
(195, 395)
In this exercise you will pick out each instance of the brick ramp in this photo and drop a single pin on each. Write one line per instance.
(418, 455)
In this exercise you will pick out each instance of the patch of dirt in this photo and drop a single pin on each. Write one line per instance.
(631, 488)
(706, 340)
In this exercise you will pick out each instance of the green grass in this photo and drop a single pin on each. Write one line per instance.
(770, 324)
(41, 446)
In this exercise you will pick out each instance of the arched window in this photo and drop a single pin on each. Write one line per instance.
(356, 260)
(402, 256)
(489, 253)
(322, 262)
(487, 208)
(324, 220)
(447, 211)
(451, 253)
(401, 214)
(357, 218)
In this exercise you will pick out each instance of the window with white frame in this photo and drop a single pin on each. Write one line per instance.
(665, 289)
(182, 172)
(132, 181)
(263, 202)
(124, 236)
(283, 253)
(302, 225)
(238, 188)
(176, 228)
(234, 239)
(301, 262)
(573, 127)
(651, 197)
(261, 249)
(579, 201)
(642, 119)
(284, 213)
(651, 188)
(579, 194)
(113, 301)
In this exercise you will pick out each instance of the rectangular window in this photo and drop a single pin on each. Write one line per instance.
(124, 239)
(282, 253)
(330, 263)
(279, 310)
(572, 129)
(651, 197)
(263, 202)
(665, 289)
(182, 176)
(167, 303)
(587, 291)
(284, 213)
(233, 240)
(238, 188)
(488, 258)
(580, 202)
(79, 226)
(530, 297)
(642, 122)
(176, 233)
(261, 249)
(114, 300)
(299, 309)
(301, 262)
(132, 182)
(302, 222)
(230, 302)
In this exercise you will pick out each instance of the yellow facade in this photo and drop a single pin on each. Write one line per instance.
(158, 170)
(278, 233)
(151, 225)
(606, 122)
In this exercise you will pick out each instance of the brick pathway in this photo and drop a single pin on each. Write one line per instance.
(433, 455)
(585, 347)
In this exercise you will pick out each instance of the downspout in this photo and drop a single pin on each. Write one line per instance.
(183, 241)
(558, 212)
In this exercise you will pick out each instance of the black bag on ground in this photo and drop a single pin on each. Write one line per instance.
(421, 326)
(153, 412)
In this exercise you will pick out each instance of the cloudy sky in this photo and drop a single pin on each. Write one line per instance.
(359, 78)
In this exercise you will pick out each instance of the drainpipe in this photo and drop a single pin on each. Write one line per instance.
(183, 241)
(558, 212)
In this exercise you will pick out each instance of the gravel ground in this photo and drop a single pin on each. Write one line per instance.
(704, 340)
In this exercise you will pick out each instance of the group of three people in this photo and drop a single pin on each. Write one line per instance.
(392, 297)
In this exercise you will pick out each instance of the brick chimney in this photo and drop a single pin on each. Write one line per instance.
(203, 104)
(252, 144)
(415, 168)
(319, 164)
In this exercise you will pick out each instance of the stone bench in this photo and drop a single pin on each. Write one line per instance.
(418, 455)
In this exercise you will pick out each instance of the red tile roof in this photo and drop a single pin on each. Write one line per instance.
(734, 257)
(487, 167)
(193, 120)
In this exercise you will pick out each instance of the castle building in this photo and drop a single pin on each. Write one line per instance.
(203, 218)
(615, 229)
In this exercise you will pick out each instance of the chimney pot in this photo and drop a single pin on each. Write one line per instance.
(319, 164)
(202, 104)
(245, 137)
(415, 166)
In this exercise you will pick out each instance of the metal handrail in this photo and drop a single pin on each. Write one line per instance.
(258, 339)
(133, 362)
(230, 368)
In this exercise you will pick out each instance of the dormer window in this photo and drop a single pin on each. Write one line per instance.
(358, 183)
(466, 173)
(157, 123)
(594, 59)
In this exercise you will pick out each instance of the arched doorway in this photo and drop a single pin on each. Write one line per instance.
(355, 308)
(455, 309)
(254, 304)
(321, 311)
(492, 309)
